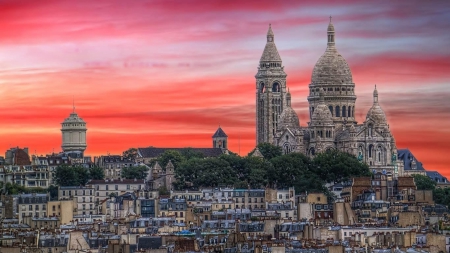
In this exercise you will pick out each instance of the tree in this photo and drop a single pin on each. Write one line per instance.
(66, 175)
(189, 153)
(288, 170)
(130, 153)
(138, 172)
(424, 182)
(269, 151)
(162, 190)
(96, 173)
(338, 166)
(170, 155)
(257, 171)
(53, 191)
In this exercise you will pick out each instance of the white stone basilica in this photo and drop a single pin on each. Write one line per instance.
(331, 109)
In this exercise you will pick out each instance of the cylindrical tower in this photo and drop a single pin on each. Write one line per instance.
(73, 131)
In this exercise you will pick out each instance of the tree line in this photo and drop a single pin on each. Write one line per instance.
(274, 169)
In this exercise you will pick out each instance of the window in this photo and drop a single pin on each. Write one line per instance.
(117, 187)
(107, 188)
(30, 208)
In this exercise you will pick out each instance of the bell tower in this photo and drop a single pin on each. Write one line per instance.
(270, 91)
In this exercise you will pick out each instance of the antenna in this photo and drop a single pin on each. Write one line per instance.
(73, 101)
(239, 144)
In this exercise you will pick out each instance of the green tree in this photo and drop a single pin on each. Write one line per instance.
(66, 175)
(53, 190)
(162, 190)
(13, 189)
(138, 172)
(208, 172)
(288, 170)
(424, 182)
(269, 151)
(130, 153)
(189, 153)
(170, 155)
(96, 173)
(257, 171)
(335, 165)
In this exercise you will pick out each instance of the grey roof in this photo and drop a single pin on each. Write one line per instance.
(407, 157)
(436, 176)
(219, 133)
(153, 152)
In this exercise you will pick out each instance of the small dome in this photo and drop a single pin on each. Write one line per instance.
(289, 119)
(322, 112)
(375, 112)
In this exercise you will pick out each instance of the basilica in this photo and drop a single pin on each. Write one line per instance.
(331, 100)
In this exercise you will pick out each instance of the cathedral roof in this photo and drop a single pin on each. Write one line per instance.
(219, 133)
(375, 112)
(331, 68)
(270, 53)
(322, 112)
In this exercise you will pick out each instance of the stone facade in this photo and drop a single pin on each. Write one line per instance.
(332, 108)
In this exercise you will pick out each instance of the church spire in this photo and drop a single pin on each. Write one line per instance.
(375, 95)
(330, 34)
(270, 36)
(270, 54)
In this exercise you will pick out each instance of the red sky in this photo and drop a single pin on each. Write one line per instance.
(167, 73)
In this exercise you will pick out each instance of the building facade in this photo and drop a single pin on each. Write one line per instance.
(331, 101)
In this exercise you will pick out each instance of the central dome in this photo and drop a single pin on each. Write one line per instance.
(331, 68)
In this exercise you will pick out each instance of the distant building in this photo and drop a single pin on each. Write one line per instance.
(17, 156)
(73, 130)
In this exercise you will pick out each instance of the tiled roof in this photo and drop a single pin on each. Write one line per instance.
(152, 152)
(219, 133)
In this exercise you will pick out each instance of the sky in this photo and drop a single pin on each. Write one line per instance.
(168, 73)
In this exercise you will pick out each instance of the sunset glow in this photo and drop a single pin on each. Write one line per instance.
(168, 73)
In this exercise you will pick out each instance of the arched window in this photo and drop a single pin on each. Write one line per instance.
(276, 87)
(312, 151)
(262, 87)
(286, 148)
(344, 111)
(370, 130)
(224, 144)
(338, 111)
(370, 150)
(331, 109)
(349, 111)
